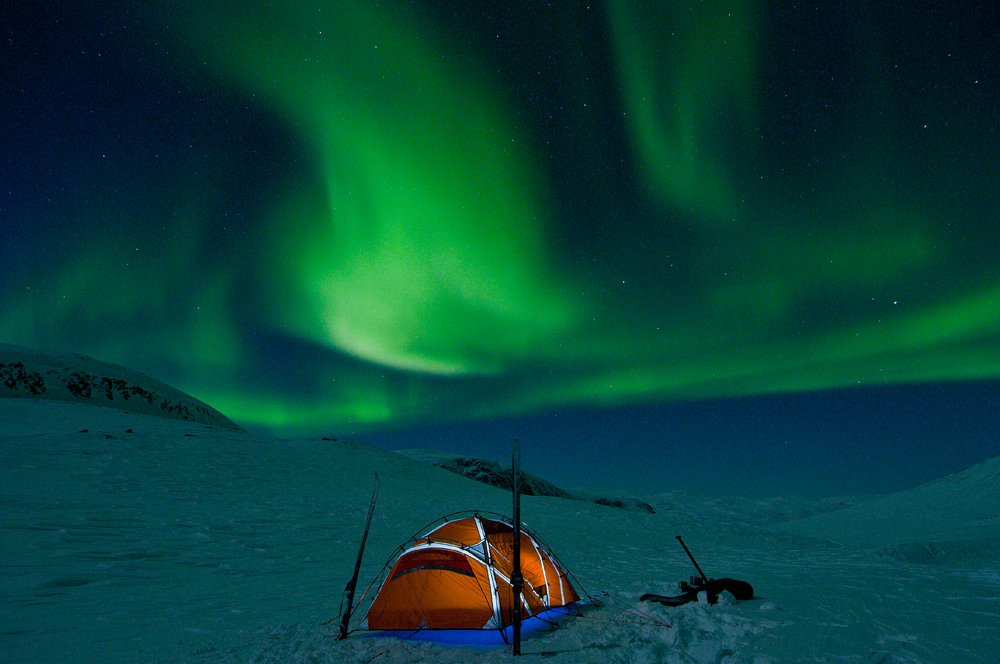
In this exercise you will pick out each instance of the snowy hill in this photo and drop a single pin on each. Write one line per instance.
(954, 519)
(144, 539)
(36, 374)
(499, 475)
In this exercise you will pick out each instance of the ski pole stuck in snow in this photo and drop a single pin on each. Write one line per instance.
(712, 588)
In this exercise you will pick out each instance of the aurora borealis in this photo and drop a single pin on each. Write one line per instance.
(347, 217)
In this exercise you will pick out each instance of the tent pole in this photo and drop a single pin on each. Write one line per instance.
(516, 580)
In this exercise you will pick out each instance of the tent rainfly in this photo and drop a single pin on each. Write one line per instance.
(453, 584)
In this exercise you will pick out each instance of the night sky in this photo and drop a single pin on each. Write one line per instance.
(665, 244)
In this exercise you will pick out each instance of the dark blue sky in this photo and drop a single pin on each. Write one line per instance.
(831, 442)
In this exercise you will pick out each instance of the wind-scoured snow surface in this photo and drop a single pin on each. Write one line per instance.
(147, 539)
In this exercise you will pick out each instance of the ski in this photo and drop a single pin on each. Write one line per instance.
(352, 584)
(740, 590)
(667, 600)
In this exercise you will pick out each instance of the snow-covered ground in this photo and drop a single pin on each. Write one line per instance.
(126, 537)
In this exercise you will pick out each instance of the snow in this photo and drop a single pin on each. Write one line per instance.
(145, 539)
(498, 474)
(31, 373)
(957, 516)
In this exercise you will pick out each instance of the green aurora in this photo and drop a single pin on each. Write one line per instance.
(464, 211)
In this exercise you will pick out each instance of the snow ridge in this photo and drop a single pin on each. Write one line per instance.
(29, 373)
(494, 473)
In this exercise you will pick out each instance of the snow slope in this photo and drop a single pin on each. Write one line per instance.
(36, 374)
(500, 475)
(955, 519)
(146, 539)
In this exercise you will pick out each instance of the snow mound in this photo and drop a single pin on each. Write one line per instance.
(36, 374)
(953, 519)
(497, 474)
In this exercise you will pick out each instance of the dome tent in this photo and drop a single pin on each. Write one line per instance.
(454, 584)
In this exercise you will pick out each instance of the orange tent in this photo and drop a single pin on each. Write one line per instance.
(457, 577)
